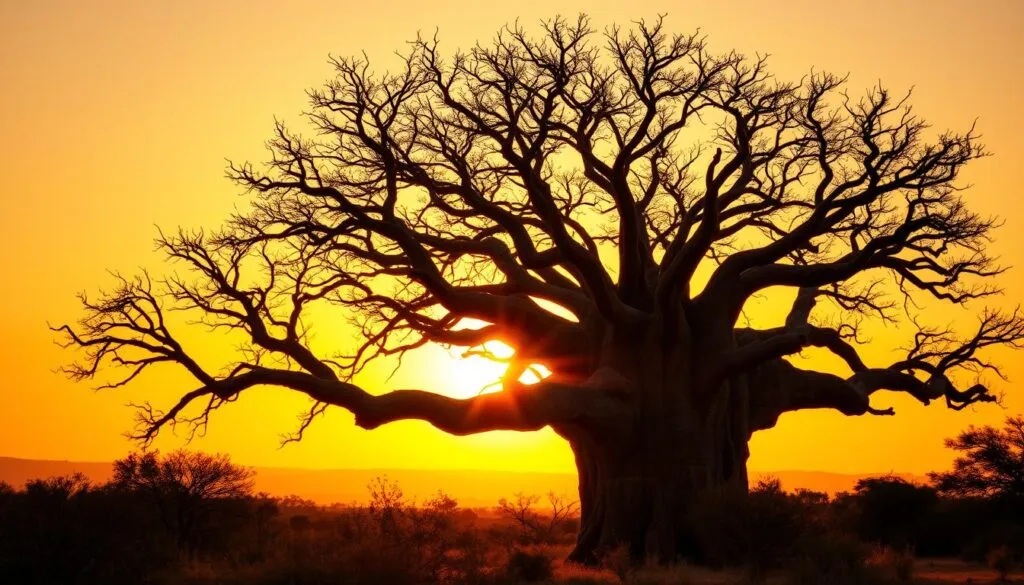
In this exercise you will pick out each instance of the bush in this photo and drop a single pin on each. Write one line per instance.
(762, 530)
(529, 566)
(390, 541)
(897, 562)
(892, 511)
(831, 558)
(556, 524)
(65, 530)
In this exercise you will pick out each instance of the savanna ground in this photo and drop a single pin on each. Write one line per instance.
(192, 519)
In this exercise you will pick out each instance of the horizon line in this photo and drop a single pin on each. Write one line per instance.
(473, 470)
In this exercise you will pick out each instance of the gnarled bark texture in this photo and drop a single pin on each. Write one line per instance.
(678, 442)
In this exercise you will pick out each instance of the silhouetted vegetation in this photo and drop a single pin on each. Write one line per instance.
(893, 512)
(193, 518)
(992, 463)
(541, 527)
(188, 491)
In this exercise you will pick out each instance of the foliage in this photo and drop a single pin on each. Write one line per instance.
(66, 530)
(897, 562)
(760, 530)
(187, 490)
(618, 560)
(833, 558)
(391, 541)
(991, 462)
(529, 566)
(893, 511)
(183, 474)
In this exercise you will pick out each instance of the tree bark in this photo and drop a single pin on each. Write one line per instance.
(640, 490)
(644, 500)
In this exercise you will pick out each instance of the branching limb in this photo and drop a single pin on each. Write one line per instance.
(522, 408)
(924, 374)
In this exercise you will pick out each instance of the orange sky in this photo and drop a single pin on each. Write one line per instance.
(116, 116)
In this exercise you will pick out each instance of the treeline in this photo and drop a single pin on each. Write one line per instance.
(190, 517)
(875, 532)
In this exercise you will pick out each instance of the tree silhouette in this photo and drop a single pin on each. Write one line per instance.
(605, 205)
(893, 511)
(537, 527)
(183, 486)
(991, 464)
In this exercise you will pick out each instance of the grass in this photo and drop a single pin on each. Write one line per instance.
(926, 572)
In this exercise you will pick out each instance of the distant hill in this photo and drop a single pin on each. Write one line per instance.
(17, 471)
(474, 488)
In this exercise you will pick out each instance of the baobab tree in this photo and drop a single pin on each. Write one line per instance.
(605, 203)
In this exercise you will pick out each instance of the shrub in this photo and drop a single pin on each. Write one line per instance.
(893, 511)
(897, 562)
(617, 560)
(831, 558)
(529, 566)
(762, 530)
(536, 527)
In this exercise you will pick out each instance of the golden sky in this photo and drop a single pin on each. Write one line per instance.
(118, 116)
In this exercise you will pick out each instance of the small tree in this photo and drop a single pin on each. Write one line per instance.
(387, 506)
(990, 470)
(991, 463)
(183, 486)
(892, 511)
(534, 526)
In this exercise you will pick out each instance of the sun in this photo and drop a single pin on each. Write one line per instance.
(465, 376)
(462, 373)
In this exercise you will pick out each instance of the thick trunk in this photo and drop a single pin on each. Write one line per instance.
(640, 490)
(645, 501)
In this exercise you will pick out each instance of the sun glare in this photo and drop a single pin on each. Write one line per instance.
(468, 376)
(467, 373)
(474, 374)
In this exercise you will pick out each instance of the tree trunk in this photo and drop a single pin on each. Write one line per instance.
(640, 491)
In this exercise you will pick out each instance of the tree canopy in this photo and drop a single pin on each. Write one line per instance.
(991, 463)
(604, 203)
